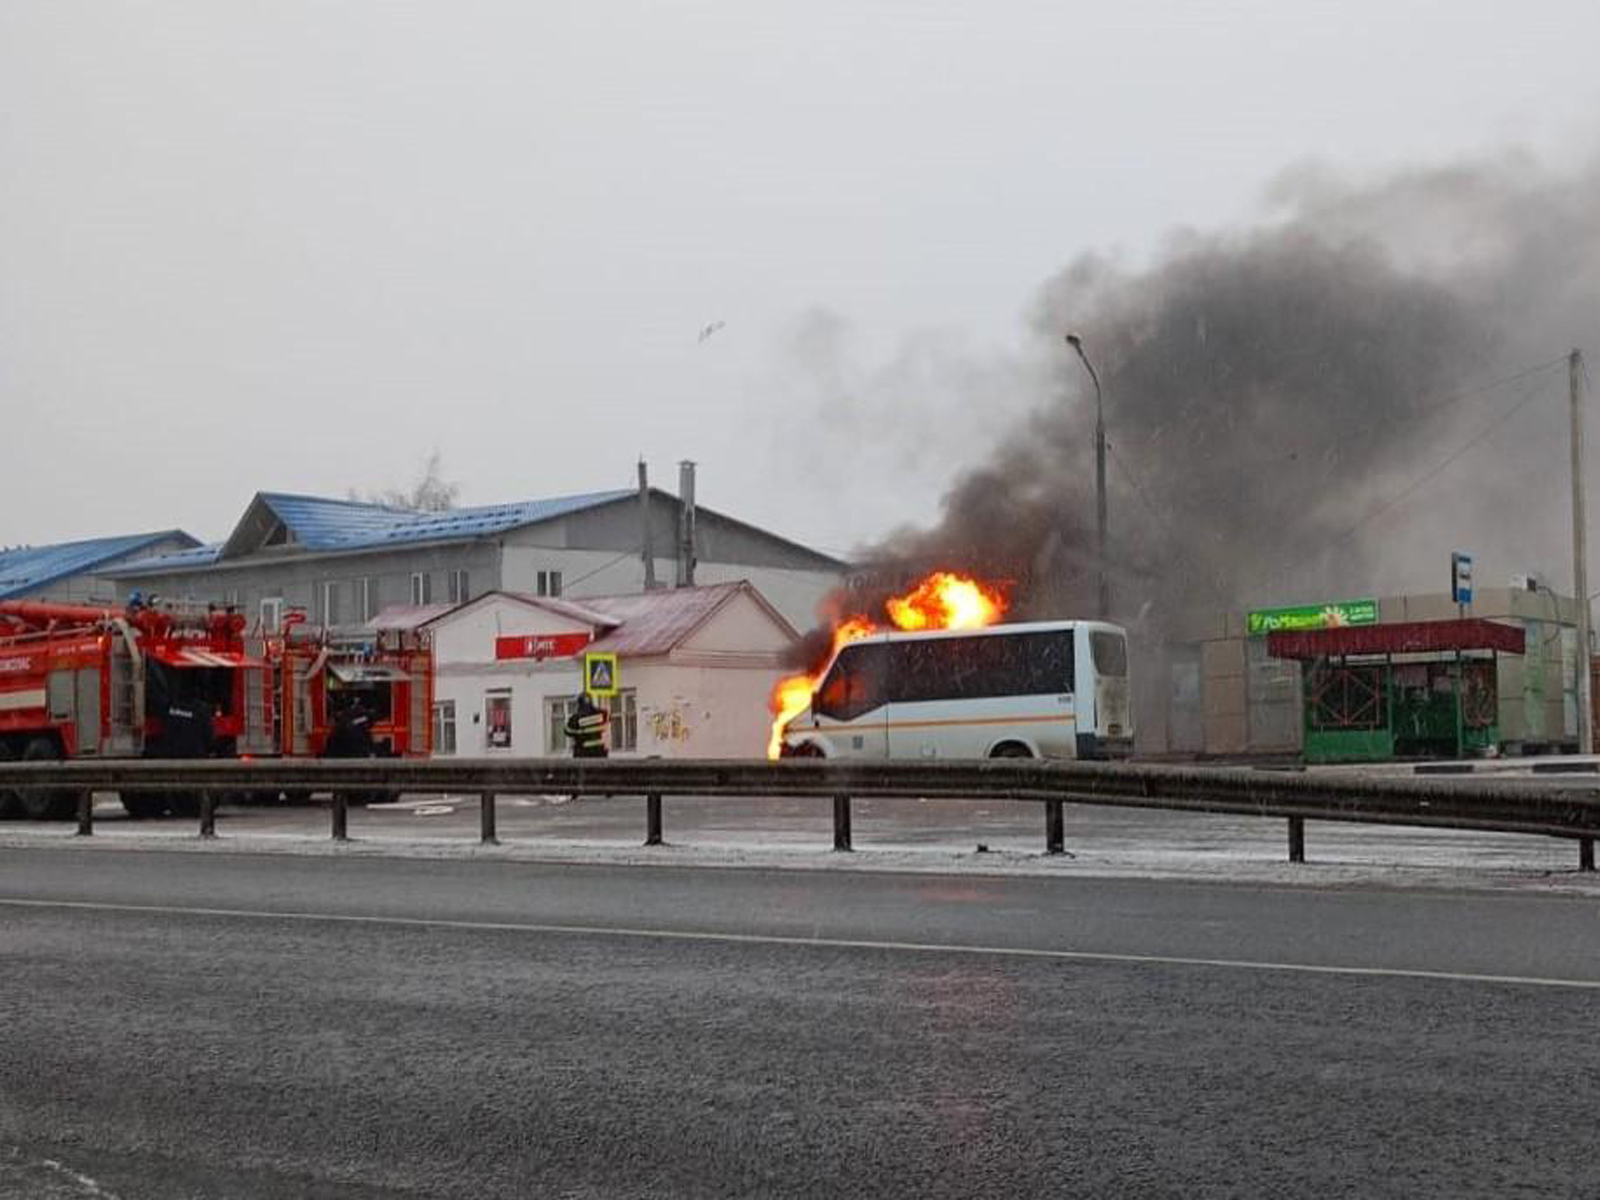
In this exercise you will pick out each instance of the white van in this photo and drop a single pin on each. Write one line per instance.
(1046, 689)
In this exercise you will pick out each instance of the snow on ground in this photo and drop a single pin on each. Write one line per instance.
(1211, 849)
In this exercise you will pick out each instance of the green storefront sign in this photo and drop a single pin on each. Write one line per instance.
(1312, 616)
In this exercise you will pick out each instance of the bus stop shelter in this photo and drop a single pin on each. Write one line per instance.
(1407, 690)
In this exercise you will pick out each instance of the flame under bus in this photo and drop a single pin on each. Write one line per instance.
(1046, 689)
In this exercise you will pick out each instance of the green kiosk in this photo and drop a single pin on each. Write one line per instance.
(1421, 689)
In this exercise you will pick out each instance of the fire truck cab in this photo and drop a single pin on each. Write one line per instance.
(366, 695)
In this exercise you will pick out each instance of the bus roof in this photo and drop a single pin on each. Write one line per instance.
(913, 635)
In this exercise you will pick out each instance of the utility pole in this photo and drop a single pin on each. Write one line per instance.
(1580, 567)
(1104, 592)
(647, 549)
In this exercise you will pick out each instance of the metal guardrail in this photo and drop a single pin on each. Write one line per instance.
(1295, 797)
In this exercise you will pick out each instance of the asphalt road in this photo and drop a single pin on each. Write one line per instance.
(231, 1025)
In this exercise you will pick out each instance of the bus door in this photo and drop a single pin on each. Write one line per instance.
(851, 704)
(1105, 718)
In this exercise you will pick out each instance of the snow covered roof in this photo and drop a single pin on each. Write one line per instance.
(29, 568)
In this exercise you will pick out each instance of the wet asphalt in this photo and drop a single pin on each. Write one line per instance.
(401, 1028)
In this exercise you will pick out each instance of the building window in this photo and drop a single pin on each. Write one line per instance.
(444, 727)
(497, 719)
(272, 613)
(421, 588)
(624, 725)
(547, 583)
(330, 603)
(458, 587)
(556, 711)
(366, 590)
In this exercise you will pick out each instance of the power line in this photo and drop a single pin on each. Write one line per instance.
(1428, 476)
(1445, 400)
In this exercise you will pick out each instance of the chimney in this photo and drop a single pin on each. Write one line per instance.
(647, 547)
(686, 524)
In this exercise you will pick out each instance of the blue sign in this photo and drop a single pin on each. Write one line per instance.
(1461, 577)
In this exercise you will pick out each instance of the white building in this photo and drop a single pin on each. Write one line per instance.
(696, 667)
(344, 561)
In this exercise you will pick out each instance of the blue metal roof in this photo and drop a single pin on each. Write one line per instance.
(320, 524)
(29, 568)
(200, 556)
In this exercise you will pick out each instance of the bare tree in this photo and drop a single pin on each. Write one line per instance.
(430, 492)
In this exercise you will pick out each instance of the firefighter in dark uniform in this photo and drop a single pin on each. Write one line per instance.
(352, 731)
(586, 726)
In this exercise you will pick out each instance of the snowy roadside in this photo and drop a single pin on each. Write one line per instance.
(1335, 862)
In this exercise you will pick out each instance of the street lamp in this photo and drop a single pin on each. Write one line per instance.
(1076, 343)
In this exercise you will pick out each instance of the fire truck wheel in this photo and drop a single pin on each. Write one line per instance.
(46, 804)
(142, 806)
(10, 802)
(184, 804)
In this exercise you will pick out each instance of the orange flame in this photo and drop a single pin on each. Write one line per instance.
(793, 692)
(946, 601)
(942, 600)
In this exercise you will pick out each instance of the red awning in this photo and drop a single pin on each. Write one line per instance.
(1410, 637)
(193, 656)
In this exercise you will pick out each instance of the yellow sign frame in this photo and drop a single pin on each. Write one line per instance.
(590, 662)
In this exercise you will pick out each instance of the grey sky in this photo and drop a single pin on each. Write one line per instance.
(296, 245)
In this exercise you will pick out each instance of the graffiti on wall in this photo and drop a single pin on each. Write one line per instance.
(670, 723)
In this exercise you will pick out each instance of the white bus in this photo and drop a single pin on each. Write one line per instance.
(1047, 689)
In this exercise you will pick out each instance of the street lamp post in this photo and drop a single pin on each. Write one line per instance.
(1076, 343)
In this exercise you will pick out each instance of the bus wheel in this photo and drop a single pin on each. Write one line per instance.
(803, 750)
(46, 804)
(1011, 750)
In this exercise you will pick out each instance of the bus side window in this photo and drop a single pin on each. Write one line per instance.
(920, 671)
(856, 685)
(1050, 662)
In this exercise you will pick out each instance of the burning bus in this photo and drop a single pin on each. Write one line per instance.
(946, 679)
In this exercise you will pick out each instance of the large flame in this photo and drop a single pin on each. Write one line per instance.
(942, 600)
(946, 601)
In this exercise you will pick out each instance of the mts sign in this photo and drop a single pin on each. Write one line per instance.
(540, 645)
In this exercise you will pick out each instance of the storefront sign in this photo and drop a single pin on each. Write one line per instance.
(1312, 616)
(540, 645)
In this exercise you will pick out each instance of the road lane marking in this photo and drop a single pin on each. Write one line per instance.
(823, 943)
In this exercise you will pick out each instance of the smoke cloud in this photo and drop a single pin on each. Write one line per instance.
(1317, 406)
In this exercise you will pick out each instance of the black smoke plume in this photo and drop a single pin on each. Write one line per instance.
(1273, 398)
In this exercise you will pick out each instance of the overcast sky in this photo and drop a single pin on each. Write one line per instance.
(295, 246)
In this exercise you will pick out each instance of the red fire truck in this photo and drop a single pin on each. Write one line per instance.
(78, 681)
(352, 695)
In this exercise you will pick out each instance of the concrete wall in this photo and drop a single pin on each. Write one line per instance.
(468, 636)
(297, 579)
(468, 685)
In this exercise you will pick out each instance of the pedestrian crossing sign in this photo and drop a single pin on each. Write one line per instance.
(600, 676)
